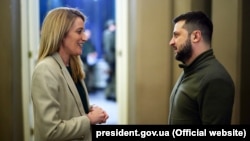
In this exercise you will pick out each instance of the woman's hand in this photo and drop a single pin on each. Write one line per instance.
(97, 115)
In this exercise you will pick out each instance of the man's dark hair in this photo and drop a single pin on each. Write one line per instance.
(197, 20)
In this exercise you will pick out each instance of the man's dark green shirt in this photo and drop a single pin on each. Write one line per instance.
(203, 94)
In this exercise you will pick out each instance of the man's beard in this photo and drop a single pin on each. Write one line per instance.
(185, 53)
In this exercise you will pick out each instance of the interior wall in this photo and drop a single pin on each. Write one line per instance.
(226, 42)
(11, 128)
(152, 60)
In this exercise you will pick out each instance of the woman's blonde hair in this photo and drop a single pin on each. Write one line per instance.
(55, 27)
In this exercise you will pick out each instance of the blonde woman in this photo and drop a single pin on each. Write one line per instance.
(59, 95)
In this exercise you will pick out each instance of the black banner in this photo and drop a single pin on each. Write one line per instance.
(169, 132)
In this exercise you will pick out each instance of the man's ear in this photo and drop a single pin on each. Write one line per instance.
(196, 36)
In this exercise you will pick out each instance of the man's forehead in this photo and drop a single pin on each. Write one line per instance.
(179, 25)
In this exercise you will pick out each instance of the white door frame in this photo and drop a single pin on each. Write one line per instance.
(126, 18)
(29, 46)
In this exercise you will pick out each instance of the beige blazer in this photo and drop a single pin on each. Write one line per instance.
(58, 111)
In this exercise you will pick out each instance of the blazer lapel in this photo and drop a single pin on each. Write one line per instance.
(70, 82)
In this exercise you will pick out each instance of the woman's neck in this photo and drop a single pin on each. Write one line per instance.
(65, 57)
